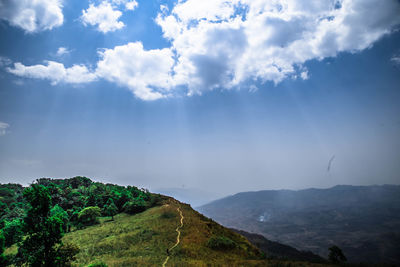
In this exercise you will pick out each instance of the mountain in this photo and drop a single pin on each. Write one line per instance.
(364, 221)
(279, 251)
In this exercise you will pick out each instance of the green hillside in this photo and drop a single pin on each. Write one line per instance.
(143, 239)
(84, 223)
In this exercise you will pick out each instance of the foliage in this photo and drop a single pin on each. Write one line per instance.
(67, 253)
(88, 216)
(49, 208)
(336, 255)
(60, 214)
(43, 232)
(3, 259)
(220, 243)
(12, 232)
(97, 264)
(135, 206)
(110, 209)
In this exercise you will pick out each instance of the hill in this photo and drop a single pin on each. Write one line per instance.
(279, 251)
(363, 220)
(145, 230)
(142, 240)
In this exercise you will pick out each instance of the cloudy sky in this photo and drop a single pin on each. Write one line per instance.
(221, 96)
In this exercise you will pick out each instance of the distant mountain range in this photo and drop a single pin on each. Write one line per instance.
(363, 220)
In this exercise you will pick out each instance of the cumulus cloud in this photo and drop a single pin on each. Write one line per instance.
(227, 44)
(32, 16)
(224, 43)
(54, 72)
(131, 5)
(104, 16)
(61, 51)
(145, 72)
(3, 128)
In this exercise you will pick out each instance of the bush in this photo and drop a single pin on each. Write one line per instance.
(336, 255)
(168, 215)
(88, 216)
(12, 232)
(221, 243)
(135, 206)
(3, 260)
(97, 264)
(110, 209)
(67, 253)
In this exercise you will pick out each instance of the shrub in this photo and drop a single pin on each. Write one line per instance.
(67, 253)
(221, 243)
(97, 264)
(135, 206)
(3, 260)
(110, 209)
(12, 232)
(336, 255)
(88, 216)
(168, 215)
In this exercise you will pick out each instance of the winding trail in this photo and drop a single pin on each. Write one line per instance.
(177, 238)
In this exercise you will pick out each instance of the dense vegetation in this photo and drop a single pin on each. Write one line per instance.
(37, 217)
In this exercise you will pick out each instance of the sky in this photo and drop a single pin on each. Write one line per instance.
(210, 95)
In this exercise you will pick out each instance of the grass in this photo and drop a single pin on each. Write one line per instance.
(143, 239)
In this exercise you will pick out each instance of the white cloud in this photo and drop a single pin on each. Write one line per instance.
(131, 5)
(105, 16)
(54, 72)
(3, 128)
(61, 51)
(223, 43)
(145, 72)
(32, 16)
(228, 44)
(395, 59)
(4, 61)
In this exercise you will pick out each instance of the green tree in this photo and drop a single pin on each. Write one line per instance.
(135, 206)
(3, 260)
(3, 209)
(110, 209)
(336, 255)
(12, 232)
(88, 216)
(61, 214)
(43, 232)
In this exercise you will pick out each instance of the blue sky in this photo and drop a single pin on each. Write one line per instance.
(214, 95)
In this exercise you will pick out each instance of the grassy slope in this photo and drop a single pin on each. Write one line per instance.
(142, 240)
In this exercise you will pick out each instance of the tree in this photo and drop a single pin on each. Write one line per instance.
(43, 232)
(110, 209)
(88, 216)
(61, 214)
(3, 260)
(12, 232)
(336, 255)
(135, 206)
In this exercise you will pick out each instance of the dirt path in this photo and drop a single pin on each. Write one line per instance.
(177, 238)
